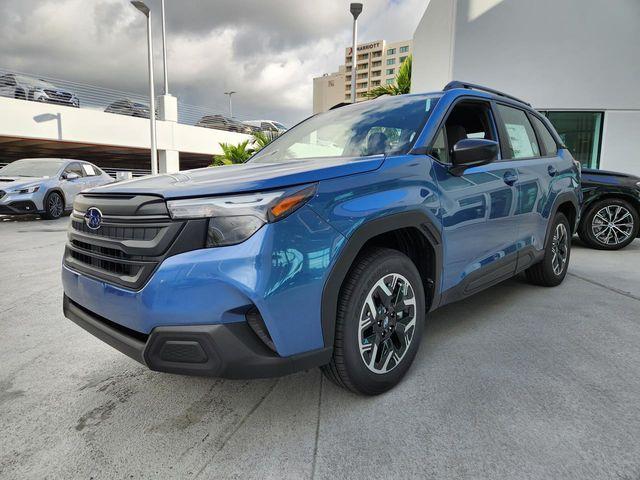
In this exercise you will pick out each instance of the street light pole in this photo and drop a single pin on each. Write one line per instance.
(152, 101)
(356, 10)
(164, 49)
(230, 106)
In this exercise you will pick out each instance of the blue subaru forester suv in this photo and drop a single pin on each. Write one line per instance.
(331, 245)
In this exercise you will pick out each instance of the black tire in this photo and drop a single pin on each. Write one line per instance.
(53, 206)
(545, 272)
(593, 220)
(347, 367)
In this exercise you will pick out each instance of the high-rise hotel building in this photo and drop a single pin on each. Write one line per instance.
(377, 64)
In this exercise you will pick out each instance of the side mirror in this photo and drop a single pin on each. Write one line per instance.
(473, 152)
(70, 176)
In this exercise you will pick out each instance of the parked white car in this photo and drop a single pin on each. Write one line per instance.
(267, 126)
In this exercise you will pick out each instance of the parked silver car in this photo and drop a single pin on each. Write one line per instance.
(46, 185)
(28, 88)
(220, 122)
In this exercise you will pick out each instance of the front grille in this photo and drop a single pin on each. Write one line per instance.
(60, 96)
(134, 232)
(136, 235)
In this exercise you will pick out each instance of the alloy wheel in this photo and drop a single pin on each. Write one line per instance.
(387, 323)
(612, 225)
(55, 205)
(559, 249)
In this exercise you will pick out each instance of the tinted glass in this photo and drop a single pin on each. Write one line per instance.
(32, 167)
(439, 149)
(75, 168)
(520, 135)
(549, 146)
(581, 133)
(381, 126)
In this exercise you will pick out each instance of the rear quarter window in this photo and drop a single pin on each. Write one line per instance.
(548, 144)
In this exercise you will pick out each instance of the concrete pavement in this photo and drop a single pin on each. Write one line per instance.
(518, 382)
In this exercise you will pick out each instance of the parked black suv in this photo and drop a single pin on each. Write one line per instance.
(611, 209)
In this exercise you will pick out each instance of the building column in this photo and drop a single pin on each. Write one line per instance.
(168, 160)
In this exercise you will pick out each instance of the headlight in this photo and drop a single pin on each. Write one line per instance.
(29, 189)
(234, 218)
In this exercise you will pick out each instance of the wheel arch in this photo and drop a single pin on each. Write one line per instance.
(566, 203)
(407, 232)
(54, 190)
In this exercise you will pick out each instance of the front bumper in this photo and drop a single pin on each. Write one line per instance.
(280, 271)
(223, 350)
(21, 204)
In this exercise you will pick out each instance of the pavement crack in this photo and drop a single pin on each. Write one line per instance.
(315, 444)
(238, 426)
(607, 287)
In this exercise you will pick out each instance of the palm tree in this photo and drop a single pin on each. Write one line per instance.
(401, 85)
(263, 138)
(232, 154)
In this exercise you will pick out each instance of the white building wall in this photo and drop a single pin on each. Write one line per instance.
(556, 54)
(432, 47)
(621, 141)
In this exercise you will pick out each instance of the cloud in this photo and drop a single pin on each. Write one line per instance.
(268, 51)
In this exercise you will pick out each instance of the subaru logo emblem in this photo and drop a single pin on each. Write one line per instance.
(93, 218)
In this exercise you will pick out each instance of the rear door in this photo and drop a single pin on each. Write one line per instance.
(479, 230)
(534, 154)
(92, 176)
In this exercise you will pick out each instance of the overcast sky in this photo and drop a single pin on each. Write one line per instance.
(267, 50)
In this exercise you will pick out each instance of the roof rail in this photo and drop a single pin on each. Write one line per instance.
(473, 86)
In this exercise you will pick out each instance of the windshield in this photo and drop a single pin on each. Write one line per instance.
(382, 126)
(32, 167)
(34, 82)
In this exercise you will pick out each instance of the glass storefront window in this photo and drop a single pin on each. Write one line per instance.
(581, 132)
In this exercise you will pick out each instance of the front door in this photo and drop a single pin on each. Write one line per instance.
(479, 231)
(73, 186)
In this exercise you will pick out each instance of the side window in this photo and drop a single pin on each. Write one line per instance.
(75, 168)
(548, 144)
(89, 170)
(469, 119)
(439, 149)
(520, 134)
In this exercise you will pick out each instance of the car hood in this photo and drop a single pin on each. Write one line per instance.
(16, 182)
(606, 177)
(243, 178)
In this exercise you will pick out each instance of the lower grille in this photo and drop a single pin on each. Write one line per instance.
(110, 266)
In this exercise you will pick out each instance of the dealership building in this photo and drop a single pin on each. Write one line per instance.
(577, 61)
(377, 63)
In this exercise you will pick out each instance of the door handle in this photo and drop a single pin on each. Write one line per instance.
(552, 170)
(509, 178)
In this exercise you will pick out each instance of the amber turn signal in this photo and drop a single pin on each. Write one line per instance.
(289, 204)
